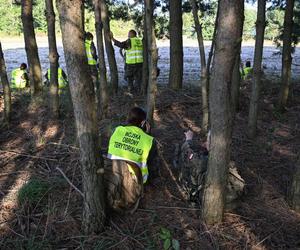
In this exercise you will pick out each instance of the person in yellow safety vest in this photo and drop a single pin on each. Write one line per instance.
(61, 75)
(130, 149)
(92, 57)
(247, 71)
(19, 77)
(134, 59)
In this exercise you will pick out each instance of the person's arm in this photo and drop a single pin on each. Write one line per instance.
(94, 51)
(25, 76)
(64, 74)
(123, 45)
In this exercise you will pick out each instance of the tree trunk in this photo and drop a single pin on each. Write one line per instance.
(152, 60)
(104, 97)
(230, 21)
(110, 52)
(83, 97)
(145, 63)
(294, 198)
(236, 75)
(213, 43)
(35, 72)
(53, 58)
(204, 78)
(286, 54)
(5, 86)
(176, 47)
(236, 82)
(257, 72)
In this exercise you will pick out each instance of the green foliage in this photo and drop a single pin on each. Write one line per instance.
(10, 18)
(33, 191)
(274, 20)
(249, 24)
(125, 17)
(168, 241)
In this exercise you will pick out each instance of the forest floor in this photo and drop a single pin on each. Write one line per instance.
(40, 210)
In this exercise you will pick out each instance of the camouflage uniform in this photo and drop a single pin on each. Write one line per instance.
(192, 166)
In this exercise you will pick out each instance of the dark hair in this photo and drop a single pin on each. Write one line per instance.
(136, 116)
(89, 36)
(133, 32)
(248, 64)
(23, 66)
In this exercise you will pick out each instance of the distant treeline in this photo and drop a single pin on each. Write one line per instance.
(10, 19)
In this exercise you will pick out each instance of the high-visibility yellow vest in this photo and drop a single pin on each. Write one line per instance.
(16, 78)
(132, 144)
(61, 80)
(134, 55)
(88, 50)
(246, 72)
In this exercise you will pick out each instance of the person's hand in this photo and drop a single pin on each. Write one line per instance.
(189, 135)
(148, 127)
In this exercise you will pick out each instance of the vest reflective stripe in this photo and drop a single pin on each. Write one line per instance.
(135, 53)
(88, 50)
(61, 80)
(131, 144)
(16, 78)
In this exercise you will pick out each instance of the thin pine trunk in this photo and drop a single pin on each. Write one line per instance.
(84, 104)
(104, 97)
(204, 78)
(236, 83)
(213, 43)
(176, 45)
(5, 86)
(145, 63)
(152, 60)
(35, 72)
(286, 54)
(230, 22)
(53, 58)
(294, 193)
(257, 72)
(110, 52)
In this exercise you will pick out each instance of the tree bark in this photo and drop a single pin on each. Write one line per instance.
(145, 63)
(230, 21)
(236, 82)
(257, 71)
(110, 52)
(213, 43)
(83, 98)
(152, 60)
(236, 75)
(53, 58)
(176, 46)
(35, 72)
(294, 196)
(5, 86)
(286, 54)
(204, 78)
(104, 97)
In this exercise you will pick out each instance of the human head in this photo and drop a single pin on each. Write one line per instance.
(23, 66)
(132, 33)
(248, 64)
(136, 116)
(89, 36)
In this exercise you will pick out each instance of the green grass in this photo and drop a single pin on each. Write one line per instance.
(33, 191)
